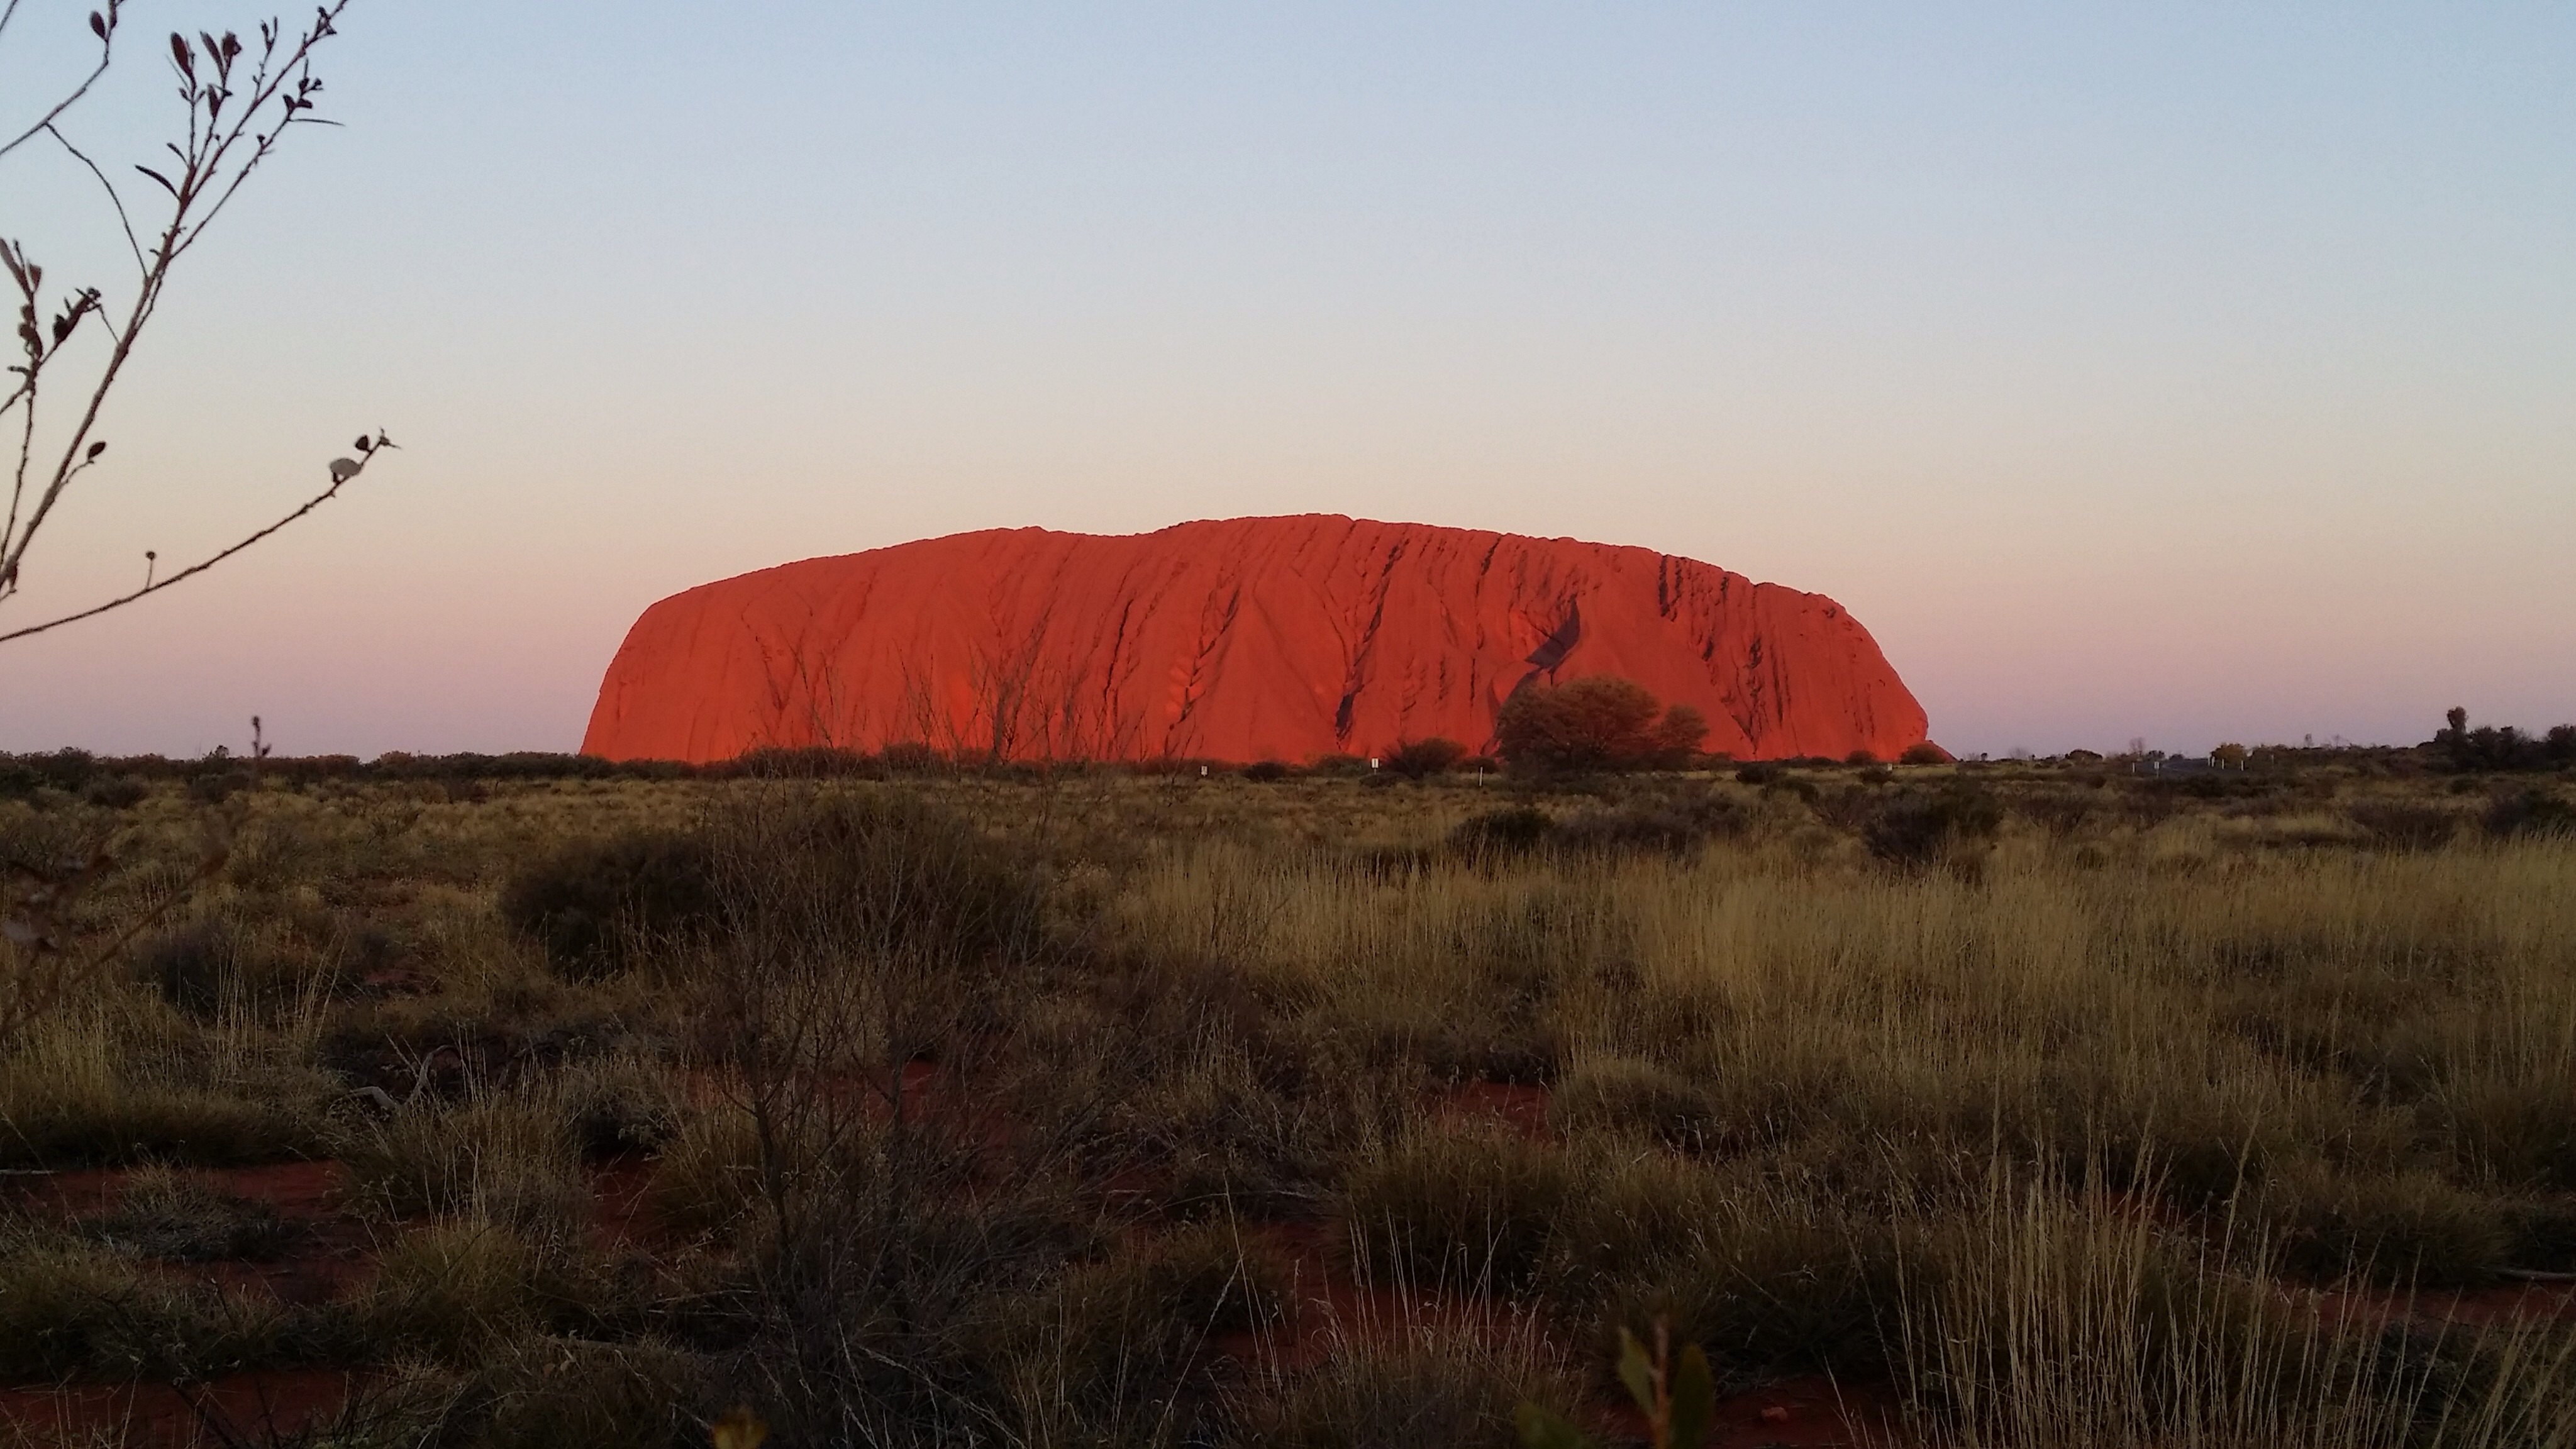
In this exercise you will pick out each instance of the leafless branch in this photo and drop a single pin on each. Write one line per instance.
(339, 480)
(103, 25)
(114, 199)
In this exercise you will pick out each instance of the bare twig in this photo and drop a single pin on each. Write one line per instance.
(103, 25)
(368, 449)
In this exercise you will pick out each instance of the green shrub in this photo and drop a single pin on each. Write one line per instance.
(62, 1112)
(593, 906)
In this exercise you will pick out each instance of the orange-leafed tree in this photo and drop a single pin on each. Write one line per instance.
(1600, 722)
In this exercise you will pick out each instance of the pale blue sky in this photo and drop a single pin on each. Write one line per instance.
(2188, 371)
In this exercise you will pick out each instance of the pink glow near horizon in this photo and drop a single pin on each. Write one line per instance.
(2198, 376)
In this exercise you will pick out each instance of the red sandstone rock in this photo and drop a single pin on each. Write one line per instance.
(1242, 639)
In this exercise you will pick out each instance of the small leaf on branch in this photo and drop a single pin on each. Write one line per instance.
(179, 54)
(164, 180)
(365, 443)
(98, 25)
(94, 450)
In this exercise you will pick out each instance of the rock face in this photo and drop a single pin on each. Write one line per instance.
(1243, 639)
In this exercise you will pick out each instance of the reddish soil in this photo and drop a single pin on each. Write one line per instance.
(2467, 1306)
(250, 1408)
(1807, 1412)
(1521, 1108)
(1330, 1302)
(621, 1209)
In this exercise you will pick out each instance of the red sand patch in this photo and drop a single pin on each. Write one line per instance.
(1519, 1107)
(245, 1408)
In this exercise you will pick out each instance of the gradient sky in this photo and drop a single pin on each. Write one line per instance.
(2190, 371)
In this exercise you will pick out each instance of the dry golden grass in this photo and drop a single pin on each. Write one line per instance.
(2088, 1128)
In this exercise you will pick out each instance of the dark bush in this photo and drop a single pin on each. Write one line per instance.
(884, 868)
(592, 905)
(1914, 828)
(214, 787)
(1415, 759)
(2403, 1230)
(1757, 774)
(2531, 813)
(1517, 830)
(200, 967)
(66, 770)
(1674, 826)
(2404, 824)
(1266, 772)
(2490, 748)
(2059, 812)
(115, 792)
(812, 762)
(912, 759)
(1928, 753)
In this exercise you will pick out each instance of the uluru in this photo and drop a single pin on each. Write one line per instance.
(1235, 640)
